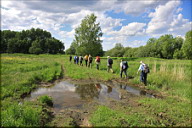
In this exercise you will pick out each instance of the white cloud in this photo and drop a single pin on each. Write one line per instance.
(136, 43)
(166, 20)
(136, 7)
(54, 15)
(132, 29)
(162, 17)
(179, 10)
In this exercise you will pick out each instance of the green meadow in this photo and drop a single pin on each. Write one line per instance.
(22, 73)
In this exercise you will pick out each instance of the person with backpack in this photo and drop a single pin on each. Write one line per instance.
(86, 59)
(97, 61)
(81, 60)
(70, 58)
(123, 68)
(109, 64)
(77, 60)
(144, 71)
(75, 57)
(90, 59)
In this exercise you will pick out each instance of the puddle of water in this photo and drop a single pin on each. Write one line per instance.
(135, 91)
(67, 95)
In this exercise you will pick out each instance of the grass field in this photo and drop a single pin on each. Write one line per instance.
(21, 73)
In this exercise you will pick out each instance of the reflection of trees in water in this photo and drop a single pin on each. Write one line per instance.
(88, 91)
(109, 89)
(122, 86)
(142, 92)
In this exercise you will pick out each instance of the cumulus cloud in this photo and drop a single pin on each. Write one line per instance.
(136, 7)
(136, 43)
(166, 20)
(132, 29)
(162, 17)
(54, 15)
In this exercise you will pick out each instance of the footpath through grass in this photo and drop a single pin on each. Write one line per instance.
(172, 78)
(21, 73)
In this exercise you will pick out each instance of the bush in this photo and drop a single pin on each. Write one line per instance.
(46, 100)
(21, 115)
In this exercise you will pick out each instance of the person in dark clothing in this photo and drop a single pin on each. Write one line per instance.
(123, 68)
(77, 60)
(90, 59)
(86, 59)
(70, 58)
(81, 60)
(75, 57)
(109, 64)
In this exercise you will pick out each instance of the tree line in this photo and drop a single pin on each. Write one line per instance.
(87, 41)
(166, 47)
(34, 41)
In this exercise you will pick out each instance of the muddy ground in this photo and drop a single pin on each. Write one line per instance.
(80, 116)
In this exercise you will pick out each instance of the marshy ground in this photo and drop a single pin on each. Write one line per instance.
(84, 96)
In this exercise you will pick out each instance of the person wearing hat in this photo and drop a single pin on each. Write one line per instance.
(109, 64)
(143, 75)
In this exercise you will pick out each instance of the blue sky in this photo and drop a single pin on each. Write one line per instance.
(130, 23)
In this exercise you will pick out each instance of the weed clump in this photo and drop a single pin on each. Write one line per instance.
(46, 100)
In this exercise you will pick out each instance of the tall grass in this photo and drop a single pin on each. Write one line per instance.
(20, 74)
(164, 76)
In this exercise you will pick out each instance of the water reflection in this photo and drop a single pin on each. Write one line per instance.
(88, 91)
(97, 91)
(68, 95)
(135, 91)
(109, 90)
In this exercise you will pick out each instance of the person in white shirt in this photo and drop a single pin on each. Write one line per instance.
(143, 75)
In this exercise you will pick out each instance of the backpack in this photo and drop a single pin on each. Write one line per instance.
(146, 68)
(77, 58)
(98, 59)
(86, 57)
(110, 61)
(124, 65)
(81, 58)
(90, 59)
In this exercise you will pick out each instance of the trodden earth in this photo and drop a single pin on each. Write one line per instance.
(87, 97)
(76, 100)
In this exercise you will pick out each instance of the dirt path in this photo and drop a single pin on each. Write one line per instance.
(80, 117)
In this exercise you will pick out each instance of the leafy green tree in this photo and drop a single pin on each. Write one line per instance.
(6, 35)
(35, 48)
(72, 49)
(117, 51)
(165, 46)
(178, 54)
(12, 46)
(150, 49)
(23, 42)
(87, 37)
(178, 43)
(187, 46)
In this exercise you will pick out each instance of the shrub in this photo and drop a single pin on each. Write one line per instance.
(46, 100)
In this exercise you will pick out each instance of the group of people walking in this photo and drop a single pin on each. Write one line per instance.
(143, 68)
(88, 60)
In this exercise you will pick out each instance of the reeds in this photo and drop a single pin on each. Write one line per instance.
(181, 73)
(163, 67)
(155, 67)
(178, 72)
